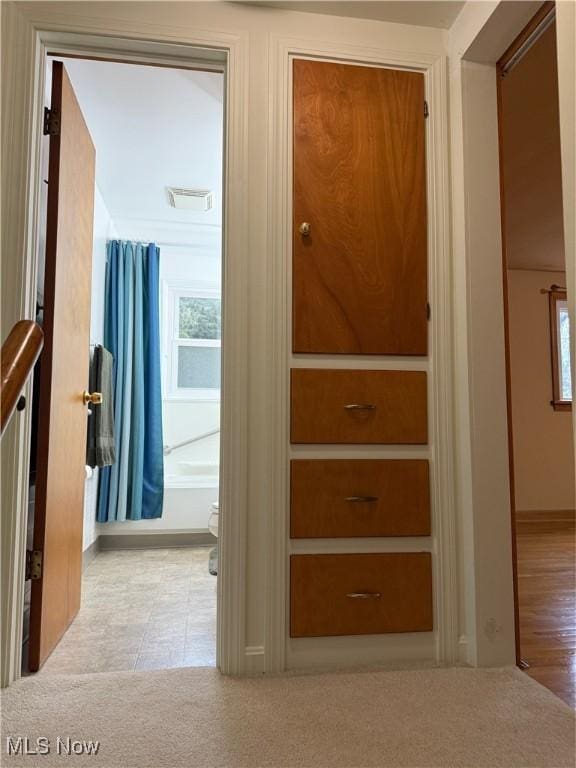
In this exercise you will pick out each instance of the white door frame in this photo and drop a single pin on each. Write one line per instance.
(478, 38)
(439, 366)
(24, 92)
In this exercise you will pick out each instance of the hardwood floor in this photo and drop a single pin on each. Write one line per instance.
(546, 591)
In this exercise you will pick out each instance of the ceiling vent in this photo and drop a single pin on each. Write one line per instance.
(190, 199)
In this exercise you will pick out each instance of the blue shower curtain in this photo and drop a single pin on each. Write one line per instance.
(133, 487)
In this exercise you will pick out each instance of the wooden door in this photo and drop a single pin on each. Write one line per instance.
(360, 272)
(58, 519)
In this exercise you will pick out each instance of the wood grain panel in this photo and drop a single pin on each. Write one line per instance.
(322, 585)
(319, 398)
(336, 498)
(360, 277)
(58, 519)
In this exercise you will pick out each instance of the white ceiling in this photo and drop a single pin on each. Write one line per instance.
(153, 127)
(424, 13)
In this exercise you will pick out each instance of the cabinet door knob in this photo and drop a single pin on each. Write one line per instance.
(304, 229)
(361, 499)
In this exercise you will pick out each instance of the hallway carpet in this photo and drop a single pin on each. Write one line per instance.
(434, 718)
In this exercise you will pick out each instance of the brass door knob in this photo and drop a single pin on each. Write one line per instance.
(91, 397)
(304, 229)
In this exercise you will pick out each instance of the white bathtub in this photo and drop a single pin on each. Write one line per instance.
(190, 489)
(190, 474)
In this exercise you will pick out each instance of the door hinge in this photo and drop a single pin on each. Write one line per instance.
(33, 564)
(426, 110)
(51, 122)
(428, 311)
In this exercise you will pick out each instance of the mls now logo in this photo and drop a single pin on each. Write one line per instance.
(23, 745)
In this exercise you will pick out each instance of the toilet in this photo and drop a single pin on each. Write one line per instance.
(213, 528)
(213, 519)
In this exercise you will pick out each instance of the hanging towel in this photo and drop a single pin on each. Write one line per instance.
(101, 450)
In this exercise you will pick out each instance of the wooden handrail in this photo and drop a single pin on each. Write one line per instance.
(19, 353)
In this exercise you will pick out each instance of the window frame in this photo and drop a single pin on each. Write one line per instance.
(172, 293)
(555, 298)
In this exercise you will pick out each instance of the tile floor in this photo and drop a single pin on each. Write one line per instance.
(142, 609)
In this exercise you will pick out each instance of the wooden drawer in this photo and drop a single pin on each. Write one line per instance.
(333, 498)
(366, 594)
(392, 406)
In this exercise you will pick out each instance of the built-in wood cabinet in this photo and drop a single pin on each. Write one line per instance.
(359, 432)
(359, 207)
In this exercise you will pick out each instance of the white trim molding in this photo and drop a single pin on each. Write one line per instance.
(254, 660)
(28, 32)
(477, 39)
(443, 647)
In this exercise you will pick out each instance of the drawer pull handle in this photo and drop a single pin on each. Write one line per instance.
(364, 595)
(361, 499)
(360, 407)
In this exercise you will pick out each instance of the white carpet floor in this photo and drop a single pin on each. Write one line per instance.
(437, 718)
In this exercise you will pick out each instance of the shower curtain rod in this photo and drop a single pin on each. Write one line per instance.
(165, 243)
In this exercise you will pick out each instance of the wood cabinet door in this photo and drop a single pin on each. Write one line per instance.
(360, 274)
(58, 515)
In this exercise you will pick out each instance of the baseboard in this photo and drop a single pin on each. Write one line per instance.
(463, 649)
(346, 652)
(540, 519)
(90, 553)
(156, 540)
(254, 659)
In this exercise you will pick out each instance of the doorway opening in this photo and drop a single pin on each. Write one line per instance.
(142, 546)
(538, 357)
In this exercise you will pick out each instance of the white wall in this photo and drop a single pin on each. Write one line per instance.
(477, 39)
(103, 230)
(565, 43)
(259, 29)
(481, 443)
(184, 419)
(486, 416)
(483, 601)
(543, 448)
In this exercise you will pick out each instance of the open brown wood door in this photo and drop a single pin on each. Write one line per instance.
(58, 520)
(360, 233)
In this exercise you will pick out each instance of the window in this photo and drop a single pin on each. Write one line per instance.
(193, 366)
(560, 347)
